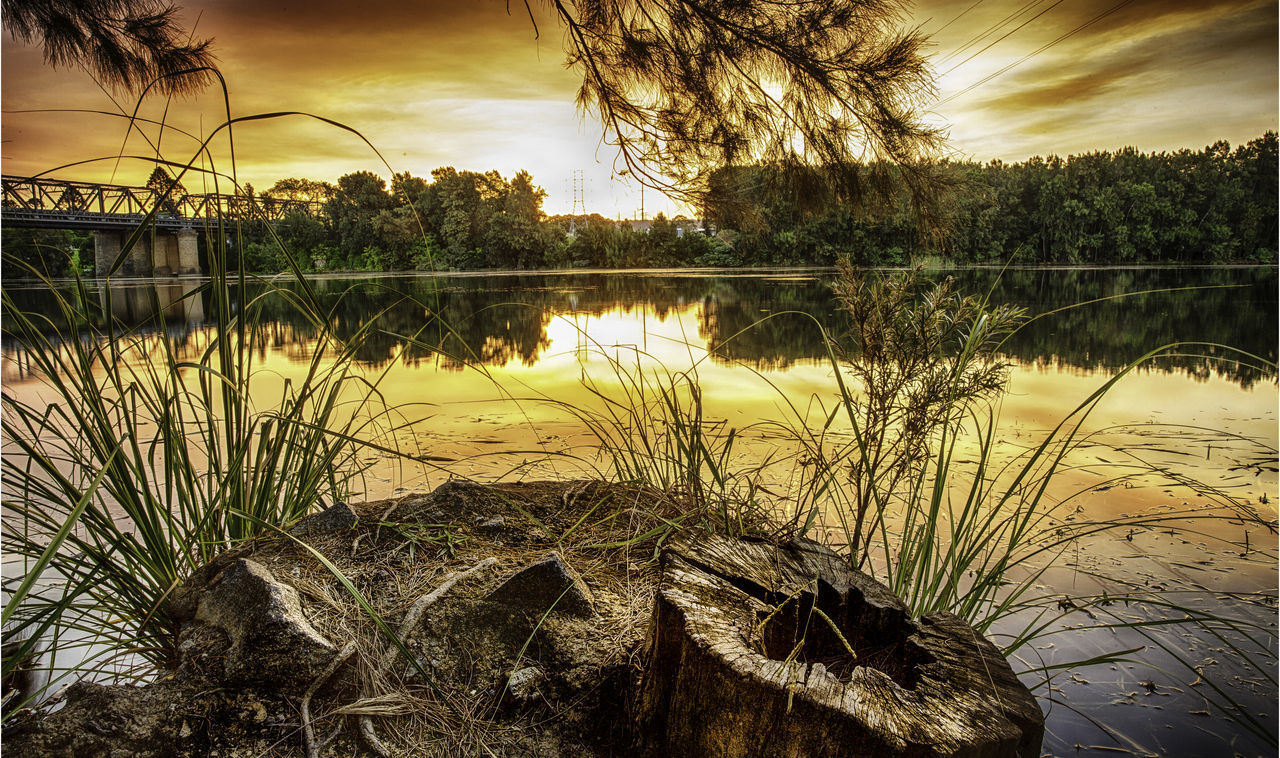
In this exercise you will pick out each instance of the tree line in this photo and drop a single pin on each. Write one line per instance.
(764, 322)
(1215, 205)
(459, 221)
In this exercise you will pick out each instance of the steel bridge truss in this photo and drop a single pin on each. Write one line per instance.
(62, 204)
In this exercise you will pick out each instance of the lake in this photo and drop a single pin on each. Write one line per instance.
(486, 398)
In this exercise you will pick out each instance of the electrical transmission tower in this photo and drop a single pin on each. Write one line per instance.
(579, 205)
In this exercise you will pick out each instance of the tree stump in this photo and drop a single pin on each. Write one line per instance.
(745, 660)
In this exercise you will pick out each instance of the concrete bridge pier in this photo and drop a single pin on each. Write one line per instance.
(155, 253)
(139, 261)
(106, 248)
(188, 252)
(164, 255)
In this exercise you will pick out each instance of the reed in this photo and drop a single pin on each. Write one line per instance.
(908, 465)
(649, 426)
(147, 450)
(930, 501)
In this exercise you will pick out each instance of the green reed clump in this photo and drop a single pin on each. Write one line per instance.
(137, 458)
(650, 426)
(910, 464)
(145, 450)
(932, 502)
(921, 356)
(922, 492)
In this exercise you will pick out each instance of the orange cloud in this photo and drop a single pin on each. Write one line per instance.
(468, 84)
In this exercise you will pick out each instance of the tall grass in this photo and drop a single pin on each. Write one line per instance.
(937, 512)
(951, 523)
(143, 452)
(909, 466)
(157, 458)
(648, 425)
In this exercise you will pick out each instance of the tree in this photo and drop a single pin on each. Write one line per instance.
(813, 87)
(514, 237)
(124, 43)
(301, 236)
(301, 190)
(167, 190)
(358, 200)
(49, 251)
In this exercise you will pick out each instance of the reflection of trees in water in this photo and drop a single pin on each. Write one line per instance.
(134, 313)
(765, 326)
(755, 320)
(1110, 334)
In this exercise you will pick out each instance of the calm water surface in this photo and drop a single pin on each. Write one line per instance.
(476, 395)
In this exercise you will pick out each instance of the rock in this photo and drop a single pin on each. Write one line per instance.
(411, 670)
(491, 524)
(271, 643)
(332, 519)
(742, 664)
(97, 719)
(547, 584)
(185, 599)
(164, 719)
(522, 685)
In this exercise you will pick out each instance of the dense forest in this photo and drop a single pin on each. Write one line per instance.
(1215, 205)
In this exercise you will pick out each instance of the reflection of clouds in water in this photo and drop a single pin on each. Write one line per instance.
(571, 322)
(565, 323)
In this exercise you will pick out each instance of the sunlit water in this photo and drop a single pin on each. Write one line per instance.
(532, 340)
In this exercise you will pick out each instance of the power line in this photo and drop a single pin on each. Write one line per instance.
(993, 44)
(997, 26)
(579, 203)
(1036, 52)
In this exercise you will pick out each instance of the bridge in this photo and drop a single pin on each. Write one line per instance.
(113, 212)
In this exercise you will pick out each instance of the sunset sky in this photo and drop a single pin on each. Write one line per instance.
(467, 84)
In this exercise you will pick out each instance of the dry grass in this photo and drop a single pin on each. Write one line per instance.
(403, 549)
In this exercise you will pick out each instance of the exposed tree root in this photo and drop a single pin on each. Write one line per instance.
(308, 732)
(407, 626)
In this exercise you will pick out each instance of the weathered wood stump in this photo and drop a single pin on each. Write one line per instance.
(746, 660)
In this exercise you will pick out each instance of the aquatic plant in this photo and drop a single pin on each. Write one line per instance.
(146, 450)
(931, 501)
(908, 474)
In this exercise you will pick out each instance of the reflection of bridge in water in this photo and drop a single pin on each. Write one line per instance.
(175, 305)
(113, 212)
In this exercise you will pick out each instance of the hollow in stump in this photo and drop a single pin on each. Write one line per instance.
(758, 649)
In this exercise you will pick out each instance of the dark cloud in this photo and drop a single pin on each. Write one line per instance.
(1072, 91)
(1189, 53)
(1144, 14)
(438, 18)
(467, 83)
(1102, 16)
(337, 52)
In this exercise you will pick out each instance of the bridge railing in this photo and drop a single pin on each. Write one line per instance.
(244, 207)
